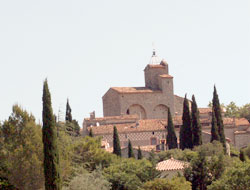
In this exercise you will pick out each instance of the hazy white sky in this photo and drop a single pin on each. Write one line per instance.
(85, 47)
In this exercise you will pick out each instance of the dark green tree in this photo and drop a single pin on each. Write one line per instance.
(171, 137)
(196, 125)
(91, 133)
(217, 111)
(116, 143)
(242, 155)
(68, 116)
(51, 155)
(139, 156)
(198, 172)
(130, 150)
(186, 140)
(214, 129)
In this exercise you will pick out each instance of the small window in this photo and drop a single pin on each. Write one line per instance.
(153, 133)
(153, 141)
(126, 136)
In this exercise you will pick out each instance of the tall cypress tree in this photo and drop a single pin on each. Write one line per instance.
(116, 143)
(196, 125)
(214, 129)
(68, 116)
(217, 111)
(171, 136)
(186, 140)
(51, 155)
(130, 150)
(139, 156)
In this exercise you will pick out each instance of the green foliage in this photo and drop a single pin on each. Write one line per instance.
(237, 177)
(208, 166)
(232, 110)
(51, 154)
(88, 181)
(184, 155)
(198, 172)
(177, 183)
(217, 112)
(129, 174)
(139, 155)
(186, 139)
(21, 151)
(196, 126)
(214, 129)
(72, 128)
(171, 137)
(130, 150)
(116, 143)
(88, 153)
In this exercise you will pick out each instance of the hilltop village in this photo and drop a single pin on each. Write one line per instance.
(140, 113)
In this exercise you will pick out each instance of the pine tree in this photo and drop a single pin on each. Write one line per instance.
(139, 156)
(130, 150)
(171, 137)
(91, 132)
(186, 140)
(116, 143)
(214, 129)
(217, 111)
(196, 125)
(68, 116)
(51, 155)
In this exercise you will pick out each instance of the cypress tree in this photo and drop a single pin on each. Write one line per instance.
(51, 155)
(91, 133)
(68, 116)
(139, 156)
(116, 143)
(196, 125)
(186, 140)
(171, 136)
(130, 150)
(214, 129)
(217, 111)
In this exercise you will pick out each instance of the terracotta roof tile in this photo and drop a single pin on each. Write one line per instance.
(143, 125)
(135, 90)
(171, 164)
(166, 76)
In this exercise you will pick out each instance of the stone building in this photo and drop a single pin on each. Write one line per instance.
(140, 113)
(149, 102)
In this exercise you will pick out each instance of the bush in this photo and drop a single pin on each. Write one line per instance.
(176, 183)
(88, 181)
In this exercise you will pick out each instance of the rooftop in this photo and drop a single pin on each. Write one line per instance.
(134, 90)
(171, 164)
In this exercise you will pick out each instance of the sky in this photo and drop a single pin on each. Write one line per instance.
(85, 47)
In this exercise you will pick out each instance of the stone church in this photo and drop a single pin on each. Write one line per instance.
(140, 113)
(149, 102)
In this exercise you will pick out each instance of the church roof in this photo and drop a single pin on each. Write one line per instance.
(129, 90)
(171, 164)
